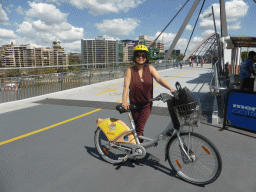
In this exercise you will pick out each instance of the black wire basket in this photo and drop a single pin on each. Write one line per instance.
(189, 114)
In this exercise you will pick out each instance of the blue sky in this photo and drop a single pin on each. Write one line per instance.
(40, 22)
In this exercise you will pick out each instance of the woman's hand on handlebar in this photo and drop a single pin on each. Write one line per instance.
(125, 105)
(174, 93)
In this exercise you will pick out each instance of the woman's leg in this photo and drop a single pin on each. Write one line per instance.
(140, 117)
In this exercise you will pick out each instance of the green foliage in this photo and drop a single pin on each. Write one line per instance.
(74, 60)
(180, 57)
(56, 45)
(11, 73)
(244, 55)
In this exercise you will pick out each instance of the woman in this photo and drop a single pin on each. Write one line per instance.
(139, 83)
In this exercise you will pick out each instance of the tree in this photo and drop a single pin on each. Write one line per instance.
(56, 45)
(180, 57)
(244, 55)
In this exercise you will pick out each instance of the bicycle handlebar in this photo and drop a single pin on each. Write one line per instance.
(164, 97)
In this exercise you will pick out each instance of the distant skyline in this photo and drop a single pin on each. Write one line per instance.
(40, 22)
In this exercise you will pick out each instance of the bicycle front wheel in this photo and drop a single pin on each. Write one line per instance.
(205, 164)
(112, 154)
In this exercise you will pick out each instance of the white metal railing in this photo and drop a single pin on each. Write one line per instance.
(25, 82)
(216, 88)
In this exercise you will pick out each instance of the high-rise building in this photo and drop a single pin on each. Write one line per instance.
(159, 45)
(29, 56)
(146, 41)
(128, 49)
(100, 50)
(176, 52)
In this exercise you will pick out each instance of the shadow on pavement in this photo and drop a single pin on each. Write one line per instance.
(203, 78)
(149, 160)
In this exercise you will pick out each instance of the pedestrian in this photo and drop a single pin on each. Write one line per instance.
(226, 72)
(202, 62)
(214, 60)
(180, 62)
(192, 62)
(197, 61)
(246, 69)
(138, 83)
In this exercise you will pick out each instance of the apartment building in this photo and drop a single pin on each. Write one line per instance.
(29, 56)
(146, 41)
(160, 46)
(100, 50)
(128, 49)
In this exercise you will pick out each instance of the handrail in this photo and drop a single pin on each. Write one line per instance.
(57, 66)
(214, 89)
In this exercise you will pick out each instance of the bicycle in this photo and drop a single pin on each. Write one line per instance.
(188, 153)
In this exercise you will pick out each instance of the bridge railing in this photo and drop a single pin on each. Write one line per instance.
(24, 82)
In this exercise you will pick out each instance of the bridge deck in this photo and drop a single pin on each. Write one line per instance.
(47, 142)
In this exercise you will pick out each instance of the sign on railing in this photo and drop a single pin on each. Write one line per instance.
(240, 111)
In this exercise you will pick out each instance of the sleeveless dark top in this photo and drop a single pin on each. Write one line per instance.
(141, 92)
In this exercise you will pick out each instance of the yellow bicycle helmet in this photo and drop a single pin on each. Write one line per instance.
(140, 48)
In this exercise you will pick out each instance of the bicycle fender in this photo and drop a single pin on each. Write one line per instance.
(113, 128)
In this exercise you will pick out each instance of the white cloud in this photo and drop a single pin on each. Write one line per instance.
(4, 33)
(27, 29)
(168, 39)
(71, 35)
(51, 26)
(21, 41)
(54, 1)
(42, 33)
(235, 26)
(9, 8)
(109, 37)
(74, 47)
(118, 27)
(182, 42)
(100, 7)
(235, 10)
(41, 26)
(197, 39)
(207, 24)
(47, 13)
(189, 27)
(207, 32)
(20, 10)
(3, 17)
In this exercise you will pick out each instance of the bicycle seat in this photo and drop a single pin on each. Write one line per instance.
(122, 110)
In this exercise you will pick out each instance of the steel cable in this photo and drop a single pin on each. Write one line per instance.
(194, 28)
(169, 23)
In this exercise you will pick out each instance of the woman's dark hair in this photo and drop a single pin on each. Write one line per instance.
(135, 54)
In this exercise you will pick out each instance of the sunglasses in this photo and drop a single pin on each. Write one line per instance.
(143, 55)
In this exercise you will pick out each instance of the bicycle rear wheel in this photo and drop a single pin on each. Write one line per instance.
(111, 154)
(206, 165)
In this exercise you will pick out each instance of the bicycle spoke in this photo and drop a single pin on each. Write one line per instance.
(204, 164)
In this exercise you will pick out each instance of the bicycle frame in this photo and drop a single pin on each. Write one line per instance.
(150, 141)
(162, 136)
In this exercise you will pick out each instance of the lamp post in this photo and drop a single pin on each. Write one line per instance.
(217, 67)
(217, 72)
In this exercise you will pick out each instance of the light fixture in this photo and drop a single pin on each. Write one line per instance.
(210, 14)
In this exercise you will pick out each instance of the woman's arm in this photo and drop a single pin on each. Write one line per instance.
(159, 79)
(127, 80)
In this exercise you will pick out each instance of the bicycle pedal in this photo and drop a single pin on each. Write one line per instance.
(155, 144)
